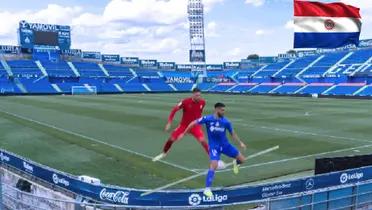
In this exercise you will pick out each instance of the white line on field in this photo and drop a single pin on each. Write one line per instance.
(309, 133)
(94, 140)
(299, 158)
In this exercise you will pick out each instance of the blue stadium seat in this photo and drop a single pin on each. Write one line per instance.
(89, 69)
(183, 87)
(366, 92)
(345, 89)
(264, 88)
(24, 68)
(271, 69)
(38, 86)
(315, 89)
(58, 69)
(119, 71)
(242, 88)
(288, 88)
(221, 87)
(297, 66)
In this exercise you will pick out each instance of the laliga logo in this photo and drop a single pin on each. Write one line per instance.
(196, 199)
(116, 197)
(58, 180)
(346, 177)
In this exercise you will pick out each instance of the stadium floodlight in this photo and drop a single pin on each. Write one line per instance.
(84, 90)
(195, 10)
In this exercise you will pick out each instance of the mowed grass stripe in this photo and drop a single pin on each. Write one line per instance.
(138, 165)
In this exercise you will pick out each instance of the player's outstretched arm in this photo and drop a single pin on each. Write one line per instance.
(171, 116)
(236, 138)
(189, 127)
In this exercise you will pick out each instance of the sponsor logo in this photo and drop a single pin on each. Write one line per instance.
(196, 199)
(4, 157)
(184, 66)
(29, 168)
(27, 40)
(216, 129)
(58, 180)
(214, 67)
(329, 24)
(130, 60)
(112, 58)
(179, 80)
(166, 65)
(275, 190)
(23, 24)
(42, 27)
(345, 177)
(148, 62)
(121, 197)
(309, 184)
(73, 52)
(232, 64)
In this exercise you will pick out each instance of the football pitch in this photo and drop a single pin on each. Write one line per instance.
(114, 137)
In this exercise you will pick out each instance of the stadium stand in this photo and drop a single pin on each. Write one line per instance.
(338, 73)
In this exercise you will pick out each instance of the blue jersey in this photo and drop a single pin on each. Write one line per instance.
(216, 129)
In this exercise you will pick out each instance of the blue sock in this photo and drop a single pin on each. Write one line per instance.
(238, 161)
(210, 177)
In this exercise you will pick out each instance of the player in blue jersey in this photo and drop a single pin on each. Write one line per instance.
(216, 125)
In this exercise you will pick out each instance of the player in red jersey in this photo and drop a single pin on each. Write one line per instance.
(192, 109)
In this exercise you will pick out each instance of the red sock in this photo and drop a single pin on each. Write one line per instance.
(205, 146)
(167, 146)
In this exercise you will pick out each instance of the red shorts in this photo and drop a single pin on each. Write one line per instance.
(196, 131)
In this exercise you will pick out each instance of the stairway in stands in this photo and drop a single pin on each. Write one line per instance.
(7, 67)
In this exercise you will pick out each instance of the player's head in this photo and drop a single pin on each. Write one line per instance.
(196, 94)
(219, 109)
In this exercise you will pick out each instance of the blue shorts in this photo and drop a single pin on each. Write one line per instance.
(228, 150)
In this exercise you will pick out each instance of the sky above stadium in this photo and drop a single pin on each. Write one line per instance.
(159, 28)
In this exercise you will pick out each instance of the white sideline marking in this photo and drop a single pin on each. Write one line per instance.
(94, 140)
(299, 157)
(206, 171)
(309, 133)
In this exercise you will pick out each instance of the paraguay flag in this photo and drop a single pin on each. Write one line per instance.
(325, 25)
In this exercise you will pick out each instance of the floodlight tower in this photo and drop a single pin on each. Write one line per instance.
(195, 11)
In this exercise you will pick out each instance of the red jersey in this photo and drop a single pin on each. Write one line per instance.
(192, 110)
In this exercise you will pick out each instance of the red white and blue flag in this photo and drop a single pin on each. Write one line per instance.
(325, 25)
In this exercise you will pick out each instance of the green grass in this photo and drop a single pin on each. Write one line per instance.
(136, 122)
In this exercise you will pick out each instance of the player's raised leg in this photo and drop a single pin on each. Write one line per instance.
(237, 162)
(198, 134)
(168, 144)
(231, 151)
